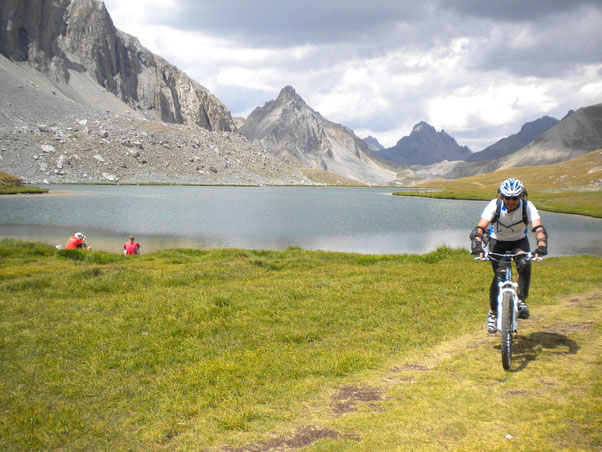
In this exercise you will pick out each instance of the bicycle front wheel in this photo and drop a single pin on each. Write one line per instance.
(507, 312)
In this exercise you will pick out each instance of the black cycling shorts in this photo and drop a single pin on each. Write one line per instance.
(513, 247)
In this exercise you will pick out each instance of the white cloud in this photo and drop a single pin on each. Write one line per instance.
(491, 105)
(126, 14)
(592, 89)
(264, 80)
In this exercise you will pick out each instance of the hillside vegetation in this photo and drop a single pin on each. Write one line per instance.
(264, 350)
(318, 176)
(574, 186)
(10, 185)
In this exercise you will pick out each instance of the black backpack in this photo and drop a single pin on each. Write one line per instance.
(498, 209)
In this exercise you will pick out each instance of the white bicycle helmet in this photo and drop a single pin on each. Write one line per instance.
(511, 187)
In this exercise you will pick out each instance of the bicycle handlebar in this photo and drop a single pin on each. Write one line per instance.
(486, 256)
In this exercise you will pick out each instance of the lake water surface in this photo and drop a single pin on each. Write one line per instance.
(361, 220)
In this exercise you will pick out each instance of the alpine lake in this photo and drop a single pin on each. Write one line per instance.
(366, 220)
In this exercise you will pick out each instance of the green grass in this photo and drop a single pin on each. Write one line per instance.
(12, 185)
(203, 350)
(569, 187)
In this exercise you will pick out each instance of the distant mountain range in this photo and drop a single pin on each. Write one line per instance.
(579, 133)
(425, 146)
(540, 142)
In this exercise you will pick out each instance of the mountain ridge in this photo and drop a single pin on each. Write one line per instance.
(579, 133)
(529, 131)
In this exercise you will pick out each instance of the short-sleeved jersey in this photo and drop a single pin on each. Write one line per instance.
(131, 248)
(509, 226)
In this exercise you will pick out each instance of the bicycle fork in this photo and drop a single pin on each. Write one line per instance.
(507, 287)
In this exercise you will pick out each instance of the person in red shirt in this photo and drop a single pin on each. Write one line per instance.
(76, 241)
(131, 246)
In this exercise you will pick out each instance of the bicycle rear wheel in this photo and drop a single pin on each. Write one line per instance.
(507, 312)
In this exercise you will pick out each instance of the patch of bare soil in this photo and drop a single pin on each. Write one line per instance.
(410, 367)
(346, 400)
(302, 437)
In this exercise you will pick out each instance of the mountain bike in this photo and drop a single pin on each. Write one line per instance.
(507, 302)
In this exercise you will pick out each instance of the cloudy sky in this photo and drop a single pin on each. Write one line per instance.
(477, 68)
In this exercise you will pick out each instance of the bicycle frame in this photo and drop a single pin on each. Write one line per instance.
(505, 286)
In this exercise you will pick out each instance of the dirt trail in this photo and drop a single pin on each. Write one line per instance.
(547, 331)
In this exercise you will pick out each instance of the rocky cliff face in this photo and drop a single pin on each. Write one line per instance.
(75, 43)
(425, 146)
(293, 131)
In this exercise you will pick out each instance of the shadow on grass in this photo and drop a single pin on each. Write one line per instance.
(528, 348)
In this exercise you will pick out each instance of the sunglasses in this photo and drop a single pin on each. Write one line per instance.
(514, 198)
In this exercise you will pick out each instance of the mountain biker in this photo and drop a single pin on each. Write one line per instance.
(506, 220)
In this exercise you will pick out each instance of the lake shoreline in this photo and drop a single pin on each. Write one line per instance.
(48, 194)
(443, 195)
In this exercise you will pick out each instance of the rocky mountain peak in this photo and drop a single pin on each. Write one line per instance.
(535, 128)
(373, 144)
(577, 134)
(83, 102)
(423, 127)
(288, 97)
(296, 133)
(288, 93)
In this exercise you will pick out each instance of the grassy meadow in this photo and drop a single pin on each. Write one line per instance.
(571, 187)
(268, 350)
